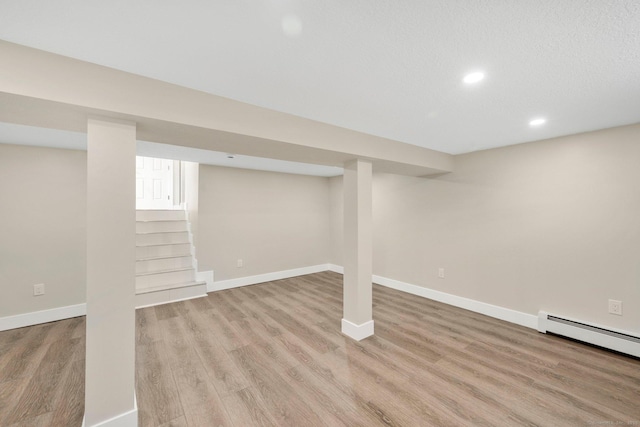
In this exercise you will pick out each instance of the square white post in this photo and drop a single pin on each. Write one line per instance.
(111, 241)
(357, 320)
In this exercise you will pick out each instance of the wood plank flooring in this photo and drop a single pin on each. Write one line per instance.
(273, 355)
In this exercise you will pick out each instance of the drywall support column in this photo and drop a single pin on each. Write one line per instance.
(357, 322)
(111, 241)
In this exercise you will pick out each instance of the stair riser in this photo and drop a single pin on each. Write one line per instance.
(161, 279)
(161, 226)
(148, 215)
(171, 295)
(162, 238)
(155, 265)
(143, 252)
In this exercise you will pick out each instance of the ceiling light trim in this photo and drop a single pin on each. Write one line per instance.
(474, 77)
(539, 121)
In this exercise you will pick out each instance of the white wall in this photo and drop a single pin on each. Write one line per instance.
(42, 227)
(272, 221)
(552, 225)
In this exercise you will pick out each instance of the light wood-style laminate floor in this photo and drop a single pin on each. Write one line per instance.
(273, 355)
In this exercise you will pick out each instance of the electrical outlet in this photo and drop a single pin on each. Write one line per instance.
(615, 307)
(38, 289)
(240, 263)
(441, 273)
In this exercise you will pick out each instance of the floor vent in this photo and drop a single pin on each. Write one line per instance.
(592, 334)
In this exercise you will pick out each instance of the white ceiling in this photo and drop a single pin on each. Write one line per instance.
(388, 68)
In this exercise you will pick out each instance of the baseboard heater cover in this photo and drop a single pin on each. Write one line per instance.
(592, 334)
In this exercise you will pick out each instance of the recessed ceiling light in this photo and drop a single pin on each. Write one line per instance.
(291, 25)
(473, 77)
(537, 122)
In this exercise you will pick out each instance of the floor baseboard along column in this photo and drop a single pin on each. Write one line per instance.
(357, 332)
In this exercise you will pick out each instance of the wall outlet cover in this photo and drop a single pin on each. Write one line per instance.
(38, 289)
(615, 307)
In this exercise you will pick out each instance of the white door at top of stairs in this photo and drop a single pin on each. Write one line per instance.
(154, 183)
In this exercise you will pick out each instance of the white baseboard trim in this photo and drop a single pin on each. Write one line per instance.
(44, 316)
(207, 277)
(357, 332)
(512, 316)
(267, 277)
(127, 419)
(335, 268)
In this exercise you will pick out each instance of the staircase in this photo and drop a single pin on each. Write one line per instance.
(165, 263)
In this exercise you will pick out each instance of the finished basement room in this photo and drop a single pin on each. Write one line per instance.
(419, 213)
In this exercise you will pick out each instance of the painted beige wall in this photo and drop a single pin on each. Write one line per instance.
(272, 221)
(43, 227)
(548, 225)
(551, 225)
(336, 218)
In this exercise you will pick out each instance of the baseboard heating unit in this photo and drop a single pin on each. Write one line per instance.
(592, 334)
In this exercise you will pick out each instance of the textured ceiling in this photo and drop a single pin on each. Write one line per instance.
(388, 68)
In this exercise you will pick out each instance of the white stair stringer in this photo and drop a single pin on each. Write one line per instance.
(165, 262)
